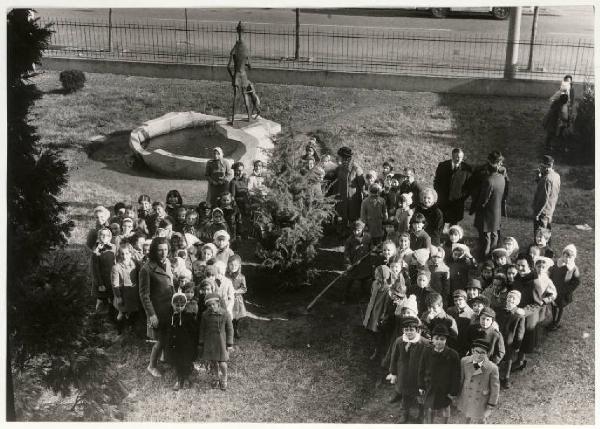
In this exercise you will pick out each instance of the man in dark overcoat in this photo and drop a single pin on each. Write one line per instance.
(449, 182)
(348, 179)
(487, 206)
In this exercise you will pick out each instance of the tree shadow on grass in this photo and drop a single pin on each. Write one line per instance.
(114, 153)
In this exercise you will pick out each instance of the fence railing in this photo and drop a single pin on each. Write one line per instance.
(354, 49)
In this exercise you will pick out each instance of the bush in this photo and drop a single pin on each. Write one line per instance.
(291, 216)
(72, 80)
(59, 344)
(583, 126)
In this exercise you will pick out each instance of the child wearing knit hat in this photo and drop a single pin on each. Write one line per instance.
(511, 323)
(373, 211)
(183, 336)
(216, 339)
(566, 279)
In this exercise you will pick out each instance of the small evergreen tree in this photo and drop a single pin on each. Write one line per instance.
(290, 217)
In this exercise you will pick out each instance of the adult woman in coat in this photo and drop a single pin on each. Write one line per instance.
(218, 173)
(480, 384)
(156, 291)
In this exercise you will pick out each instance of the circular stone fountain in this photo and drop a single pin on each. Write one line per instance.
(179, 144)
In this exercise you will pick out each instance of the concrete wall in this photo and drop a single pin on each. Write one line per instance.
(475, 86)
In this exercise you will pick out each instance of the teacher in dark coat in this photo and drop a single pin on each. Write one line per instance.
(449, 182)
(487, 205)
(156, 291)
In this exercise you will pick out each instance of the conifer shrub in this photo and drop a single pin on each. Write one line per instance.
(583, 126)
(72, 80)
(289, 219)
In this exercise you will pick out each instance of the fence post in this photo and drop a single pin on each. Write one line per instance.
(187, 43)
(512, 44)
(109, 30)
(297, 51)
(536, 12)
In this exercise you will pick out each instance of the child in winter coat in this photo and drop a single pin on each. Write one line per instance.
(486, 274)
(404, 213)
(512, 248)
(421, 289)
(231, 214)
(542, 238)
(500, 260)
(216, 224)
(373, 212)
(439, 375)
(473, 290)
(206, 254)
(183, 336)
(566, 278)
(191, 223)
(407, 351)
(124, 282)
(216, 339)
(419, 239)
(380, 306)
(357, 260)
(144, 206)
(103, 260)
(173, 203)
(225, 288)
(455, 236)
(459, 266)
(434, 314)
(489, 333)
(234, 273)
(179, 219)
(496, 294)
(440, 275)
(511, 323)
(221, 241)
(480, 384)
(462, 314)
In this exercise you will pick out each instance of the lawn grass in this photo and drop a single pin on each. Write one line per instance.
(276, 376)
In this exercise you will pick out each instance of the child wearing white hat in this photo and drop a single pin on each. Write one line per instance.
(566, 278)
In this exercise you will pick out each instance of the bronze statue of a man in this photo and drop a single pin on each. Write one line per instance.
(239, 58)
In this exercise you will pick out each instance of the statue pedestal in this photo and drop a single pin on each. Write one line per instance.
(247, 142)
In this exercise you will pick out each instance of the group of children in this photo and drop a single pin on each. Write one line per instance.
(448, 329)
(434, 310)
(206, 284)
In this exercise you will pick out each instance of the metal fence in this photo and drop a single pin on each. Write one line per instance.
(332, 48)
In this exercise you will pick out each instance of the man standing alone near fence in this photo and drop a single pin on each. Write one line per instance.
(449, 183)
(546, 194)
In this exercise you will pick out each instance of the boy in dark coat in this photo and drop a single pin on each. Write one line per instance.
(488, 333)
(462, 314)
(357, 260)
(439, 375)
(419, 239)
(216, 338)
(404, 366)
(182, 344)
(512, 327)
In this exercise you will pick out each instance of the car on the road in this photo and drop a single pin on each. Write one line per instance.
(442, 12)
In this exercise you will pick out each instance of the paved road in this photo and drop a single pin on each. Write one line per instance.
(564, 22)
